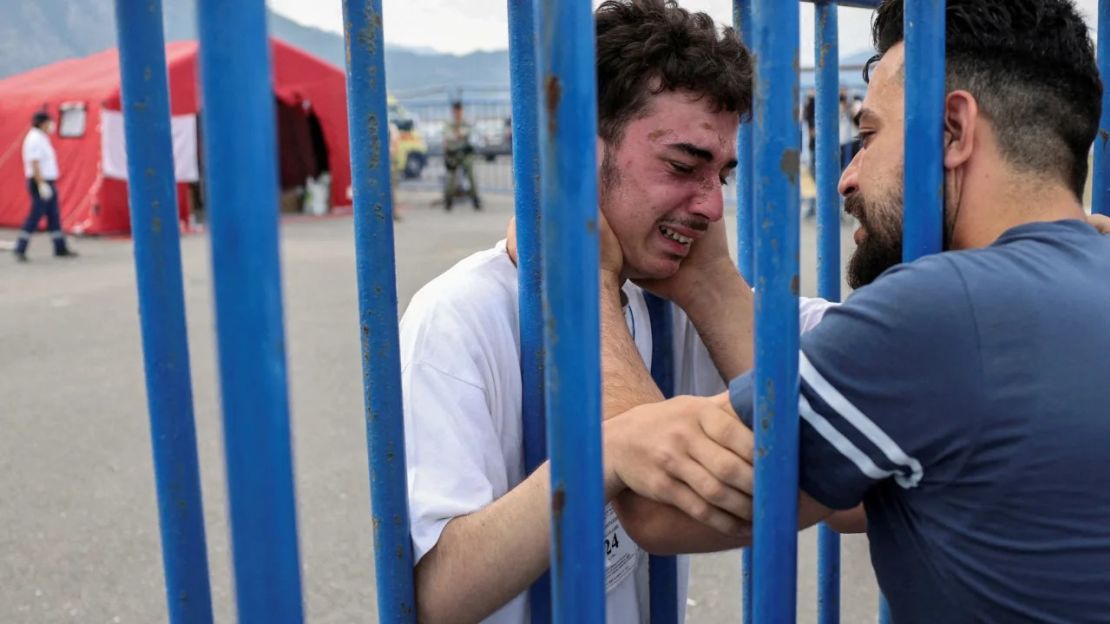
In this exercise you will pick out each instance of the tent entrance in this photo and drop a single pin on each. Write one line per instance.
(305, 172)
(303, 167)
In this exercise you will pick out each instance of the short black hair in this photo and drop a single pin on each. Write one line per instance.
(1031, 66)
(646, 47)
(40, 117)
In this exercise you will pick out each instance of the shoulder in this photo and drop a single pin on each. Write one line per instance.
(918, 307)
(480, 281)
(917, 289)
(472, 303)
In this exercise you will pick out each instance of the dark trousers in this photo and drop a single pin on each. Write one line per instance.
(42, 208)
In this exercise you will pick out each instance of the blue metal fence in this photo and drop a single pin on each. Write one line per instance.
(240, 150)
(827, 120)
(553, 146)
(1100, 189)
(568, 204)
(526, 164)
(777, 160)
(152, 200)
(377, 307)
(924, 184)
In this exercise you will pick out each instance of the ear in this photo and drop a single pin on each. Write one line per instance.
(961, 116)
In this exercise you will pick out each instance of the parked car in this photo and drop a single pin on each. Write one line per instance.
(411, 154)
(493, 137)
(433, 135)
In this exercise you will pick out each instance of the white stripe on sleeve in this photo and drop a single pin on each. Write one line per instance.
(839, 442)
(839, 403)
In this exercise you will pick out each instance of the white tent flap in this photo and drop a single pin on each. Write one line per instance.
(113, 147)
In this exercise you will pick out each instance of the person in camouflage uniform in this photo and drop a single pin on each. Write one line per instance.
(458, 156)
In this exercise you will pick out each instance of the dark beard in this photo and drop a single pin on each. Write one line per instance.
(882, 248)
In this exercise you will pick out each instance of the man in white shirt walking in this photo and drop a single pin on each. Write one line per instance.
(40, 166)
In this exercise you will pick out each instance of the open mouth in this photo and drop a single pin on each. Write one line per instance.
(675, 236)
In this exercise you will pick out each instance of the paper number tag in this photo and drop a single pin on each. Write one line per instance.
(621, 553)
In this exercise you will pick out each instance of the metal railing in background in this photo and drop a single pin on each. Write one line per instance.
(490, 115)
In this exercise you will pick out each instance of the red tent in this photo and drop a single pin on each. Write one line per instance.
(83, 95)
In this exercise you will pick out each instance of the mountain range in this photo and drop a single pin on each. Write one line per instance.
(45, 31)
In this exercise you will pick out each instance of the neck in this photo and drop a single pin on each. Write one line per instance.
(985, 214)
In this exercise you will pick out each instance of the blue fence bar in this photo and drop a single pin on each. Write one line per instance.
(827, 158)
(827, 117)
(884, 611)
(924, 24)
(742, 22)
(777, 169)
(526, 171)
(924, 192)
(152, 199)
(828, 575)
(377, 305)
(663, 571)
(1100, 189)
(568, 189)
(241, 171)
(745, 232)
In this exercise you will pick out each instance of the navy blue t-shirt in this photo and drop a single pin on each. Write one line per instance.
(965, 400)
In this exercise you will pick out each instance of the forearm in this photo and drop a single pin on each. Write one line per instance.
(848, 521)
(486, 558)
(664, 530)
(656, 526)
(722, 311)
(36, 172)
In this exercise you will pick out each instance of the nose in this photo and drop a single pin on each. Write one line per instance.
(709, 205)
(849, 180)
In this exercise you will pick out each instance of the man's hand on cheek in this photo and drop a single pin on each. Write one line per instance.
(704, 267)
(612, 257)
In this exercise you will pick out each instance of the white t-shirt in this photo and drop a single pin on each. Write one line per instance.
(460, 376)
(36, 146)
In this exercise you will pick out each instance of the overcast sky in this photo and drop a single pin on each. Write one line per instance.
(461, 26)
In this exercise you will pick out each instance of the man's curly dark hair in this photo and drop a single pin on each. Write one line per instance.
(1030, 64)
(646, 47)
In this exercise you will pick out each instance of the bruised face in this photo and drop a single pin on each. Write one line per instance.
(661, 185)
(872, 185)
